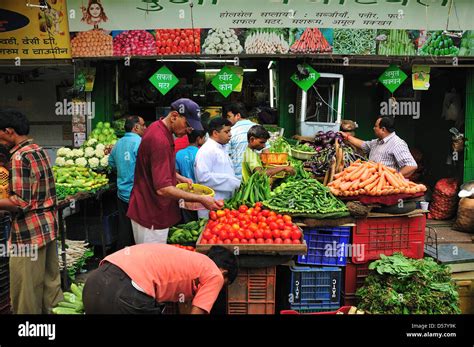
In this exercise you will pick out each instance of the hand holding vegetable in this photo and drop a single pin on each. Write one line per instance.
(210, 203)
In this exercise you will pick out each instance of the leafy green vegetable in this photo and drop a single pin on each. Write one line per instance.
(280, 145)
(400, 285)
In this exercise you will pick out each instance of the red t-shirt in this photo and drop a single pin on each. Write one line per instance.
(181, 143)
(171, 274)
(155, 169)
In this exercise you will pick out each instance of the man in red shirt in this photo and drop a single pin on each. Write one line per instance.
(35, 285)
(154, 200)
(139, 279)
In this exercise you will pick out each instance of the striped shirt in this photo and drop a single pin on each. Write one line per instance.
(392, 151)
(238, 143)
(33, 190)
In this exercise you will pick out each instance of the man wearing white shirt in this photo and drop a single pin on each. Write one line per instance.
(213, 166)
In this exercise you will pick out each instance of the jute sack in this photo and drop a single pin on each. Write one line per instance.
(465, 219)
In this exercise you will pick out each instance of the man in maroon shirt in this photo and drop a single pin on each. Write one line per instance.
(154, 200)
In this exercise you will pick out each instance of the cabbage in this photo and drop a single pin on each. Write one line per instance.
(82, 162)
(60, 161)
(107, 125)
(99, 125)
(102, 138)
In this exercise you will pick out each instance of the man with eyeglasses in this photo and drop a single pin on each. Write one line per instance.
(154, 201)
(388, 148)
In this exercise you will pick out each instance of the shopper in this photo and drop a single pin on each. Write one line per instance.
(141, 278)
(257, 138)
(35, 285)
(213, 167)
(388, 148)
(237, 115)
(154, 200)
(123, 158)
(185, 158)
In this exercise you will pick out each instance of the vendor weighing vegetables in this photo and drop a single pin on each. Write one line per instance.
(140, 279)
(257, 137)
(388, 148)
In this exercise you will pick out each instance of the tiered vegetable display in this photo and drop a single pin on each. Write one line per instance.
(399, 285)
(311, 41)
(467, 44)
(72, 303)
(256, 189)
(134, 42)
(397, 42)
(307, 196)
(266, 41)
(222, 41)
(439, 44)
(178, 41)
(73, 179)
(354, 41)
(250, 226)
(375, 179)
(186, 233)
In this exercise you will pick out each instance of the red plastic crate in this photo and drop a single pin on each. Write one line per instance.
(387, 236)
(354, 277)
(253, 292)
(343, 309)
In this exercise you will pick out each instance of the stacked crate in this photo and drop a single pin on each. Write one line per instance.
(316, 281)
(5, 224)
(374, 236)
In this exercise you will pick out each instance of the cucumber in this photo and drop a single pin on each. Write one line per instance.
(76, 291)
(64, 310)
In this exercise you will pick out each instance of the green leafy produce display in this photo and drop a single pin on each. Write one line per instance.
(354, 41)
(256, 189)
(186, 233)
(73, 179)
(280, 145)
(467, 44)
(72, 303)
(304, 148)
(119, 127)
(104, 133)
(439, 44)
(399, 285)
(397, 42)
(306, 196)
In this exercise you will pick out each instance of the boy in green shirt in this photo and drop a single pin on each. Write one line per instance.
(257, 138)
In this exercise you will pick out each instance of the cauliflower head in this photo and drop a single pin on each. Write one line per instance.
(89, 152)
(69, 162)
(81, 162)
(60, 161)
(93, 162)
(99, 153)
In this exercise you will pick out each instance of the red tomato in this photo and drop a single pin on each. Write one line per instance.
(268, 241)
(249, 211)
(265, 213)
(232, 234)
(253, 227)
(258, 204)
(252, 241)
(258, 234)
(279, 216)
(241, 234)
(267, 234)
(206, 235)
(287, 242)
(288, 223)
(223, 235)
(213, 215)
(294, 227)
(243, 208)
(242, 224)
(286, 234)
(287, 218)
(262, 219)
(235, 226)
(278, 241)
(272, 214)
(258, 209)
(296, 242)
(271, 219)
(244, 241)
(203, 242)
(235, 240)
(220, 213)
(249, 235)
(219, 242)
(260, 241)
(227, 242)
(234, 213)
(227, 211)
(254, 219)
(241, 217)
(296, 235)
(276, 233)
(273, 226)
(263, 225)
(281, 226)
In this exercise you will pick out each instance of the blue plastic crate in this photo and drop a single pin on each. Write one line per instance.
(316, 308)
(315, 286)
(326, 246)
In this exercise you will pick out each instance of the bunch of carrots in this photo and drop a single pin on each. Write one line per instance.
(311, 41)
(375, 179)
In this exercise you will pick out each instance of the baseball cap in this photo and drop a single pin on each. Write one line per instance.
(189, 109)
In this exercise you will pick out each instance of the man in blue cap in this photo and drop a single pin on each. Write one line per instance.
(154, 201)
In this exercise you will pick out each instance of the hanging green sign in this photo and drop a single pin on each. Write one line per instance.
(305, 82)
(392, 78)
(225, 81)
(164, 80)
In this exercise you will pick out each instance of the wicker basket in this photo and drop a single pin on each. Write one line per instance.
(197, 189)
(274, 158)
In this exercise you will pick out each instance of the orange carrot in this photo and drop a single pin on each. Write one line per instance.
(381, 183)
(372, 185)
(357, 173)
(391, 179)
(368, 181)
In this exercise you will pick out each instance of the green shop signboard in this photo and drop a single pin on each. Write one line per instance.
(164, 80)
(306, 83)
(392, 78)
(225, 81)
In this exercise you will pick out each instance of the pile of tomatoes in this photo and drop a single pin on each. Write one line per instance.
(178, 41)
(188, 248)
(250, 226)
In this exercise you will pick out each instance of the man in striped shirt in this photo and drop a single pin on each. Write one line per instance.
(35, 285)
(388, 148)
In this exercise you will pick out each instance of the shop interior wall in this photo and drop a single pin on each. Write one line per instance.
(36, 99)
